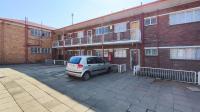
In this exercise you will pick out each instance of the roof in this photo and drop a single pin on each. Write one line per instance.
(29, 23)
(149, 7)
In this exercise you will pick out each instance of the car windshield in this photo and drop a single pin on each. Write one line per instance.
(75, 60)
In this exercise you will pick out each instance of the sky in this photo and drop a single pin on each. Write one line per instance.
(57, 13)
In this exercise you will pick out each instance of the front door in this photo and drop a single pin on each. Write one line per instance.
(89, 35)
(134, 58)
(134, 26)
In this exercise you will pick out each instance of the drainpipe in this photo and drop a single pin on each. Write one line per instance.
(2, 43)
(142, 39)
(26, 41)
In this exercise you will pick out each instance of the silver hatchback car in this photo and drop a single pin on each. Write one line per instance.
(86, 66)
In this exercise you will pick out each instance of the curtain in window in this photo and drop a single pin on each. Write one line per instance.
(197, 15)
(80, 34)
(197, 54)
(120, 27)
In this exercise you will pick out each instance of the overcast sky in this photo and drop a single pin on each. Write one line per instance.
(57, 13)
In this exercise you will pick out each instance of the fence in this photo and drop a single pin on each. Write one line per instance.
(56, 62)
(170, 74)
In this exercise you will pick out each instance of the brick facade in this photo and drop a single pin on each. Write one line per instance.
(13, 45)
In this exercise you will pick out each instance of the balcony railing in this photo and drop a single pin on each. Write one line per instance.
(133, 35)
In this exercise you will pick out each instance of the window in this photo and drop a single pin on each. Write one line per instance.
(43, 50)
(91, 60)
(75, 60)
(99, 53)
(36, 50)
(150, 21)
(184, 17)
(77, 53)
(120, 27)
(151, 52)
(46, 50)
(68, 52)
(120, 53)
(99, 60)
(40, 33)
(49, 50)
(80, 34)
(33, 50)
(59, 37)
(106, 53)
(69, 35)
(185, 53)
(102, 30)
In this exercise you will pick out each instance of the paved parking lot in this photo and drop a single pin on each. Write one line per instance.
(116, 92)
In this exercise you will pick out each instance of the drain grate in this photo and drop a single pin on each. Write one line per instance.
(149, 110)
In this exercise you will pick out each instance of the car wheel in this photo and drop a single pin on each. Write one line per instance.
(86, 76)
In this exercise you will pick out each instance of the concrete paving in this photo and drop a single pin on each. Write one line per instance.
(112, 92)
(21, 93)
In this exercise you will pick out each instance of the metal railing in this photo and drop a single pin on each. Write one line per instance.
(170, 74)
(59, 43)
(131, 35)
(56, 62)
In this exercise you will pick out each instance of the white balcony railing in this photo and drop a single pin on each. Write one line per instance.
(133, 35)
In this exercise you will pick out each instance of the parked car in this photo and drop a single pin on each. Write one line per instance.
(86, 66)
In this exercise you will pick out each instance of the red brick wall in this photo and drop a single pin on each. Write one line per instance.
(166, 62)
(14, 45)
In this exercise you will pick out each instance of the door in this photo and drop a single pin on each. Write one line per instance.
(134, 58)
(134, 28)
(89, 35)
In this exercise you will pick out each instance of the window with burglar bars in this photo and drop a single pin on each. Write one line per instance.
(151, 52)
(185, 53)
(184, 17)
(36, 50)
(150, 21)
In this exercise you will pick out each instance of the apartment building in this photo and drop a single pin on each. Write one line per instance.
(22, 41)
(162, 34)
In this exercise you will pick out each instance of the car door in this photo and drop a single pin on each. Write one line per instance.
(101, 65)
(92, 65)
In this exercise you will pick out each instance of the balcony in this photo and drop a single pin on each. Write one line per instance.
(130, 36)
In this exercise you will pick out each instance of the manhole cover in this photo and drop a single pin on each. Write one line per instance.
(195, 89)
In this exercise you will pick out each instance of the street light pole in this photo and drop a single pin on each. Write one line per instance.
(72, 18)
